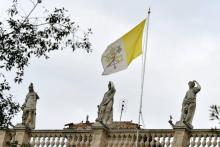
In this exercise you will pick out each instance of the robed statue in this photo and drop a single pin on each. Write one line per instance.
(105, 109)
(189, 102)
(29, 108)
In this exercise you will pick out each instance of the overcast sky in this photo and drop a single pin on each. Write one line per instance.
(184, 40)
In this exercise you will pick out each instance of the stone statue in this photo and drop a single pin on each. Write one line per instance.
(189, 103)
(105, 109)
(29, 108)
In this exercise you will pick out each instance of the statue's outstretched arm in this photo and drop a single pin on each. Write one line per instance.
(198, 87)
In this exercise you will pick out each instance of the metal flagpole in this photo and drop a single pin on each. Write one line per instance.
(143, 74)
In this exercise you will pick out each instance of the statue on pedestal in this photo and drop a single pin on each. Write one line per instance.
(189, 103)
(105, 109)
(29, 108)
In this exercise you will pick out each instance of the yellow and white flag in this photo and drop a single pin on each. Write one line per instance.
(120, 53)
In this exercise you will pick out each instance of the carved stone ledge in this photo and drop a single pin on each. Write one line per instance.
(182, 125)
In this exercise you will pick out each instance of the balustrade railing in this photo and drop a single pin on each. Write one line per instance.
(205, 138)
(117, 138)
(147, 138)
(60, 138)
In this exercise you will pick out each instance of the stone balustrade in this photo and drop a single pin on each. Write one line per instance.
(60, 138)
(147, 138)
(205, 138)
(112, 137)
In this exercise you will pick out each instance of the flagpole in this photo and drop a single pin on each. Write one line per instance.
(143, 75)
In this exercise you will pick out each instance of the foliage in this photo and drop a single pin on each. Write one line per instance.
(22, 39)
(214, 112)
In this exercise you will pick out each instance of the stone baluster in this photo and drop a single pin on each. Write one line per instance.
(219, 143)
(129, 140)
(116, 141)
(209, 143)
(132, 141)
(215, 140)
(204, 141)
(62, 143)
(110, 141)
(126, 143)
(33, 141)
(168, 140)
(157, 141)
(198, 143)
(87, 140)
(72, 143)
(113, 140)
(78, 140)
(147, 142)
(142, 140)
(53, 141)
(48, 141)
(163, 140)
(152, 143)
(43, 141)
(82, 143)
(93, 141)
(57, 142)
(193, 141)
(174, 141)
(38, 141)
(68, 141)
(122, 140)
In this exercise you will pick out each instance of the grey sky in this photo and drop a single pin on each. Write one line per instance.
(183, 45)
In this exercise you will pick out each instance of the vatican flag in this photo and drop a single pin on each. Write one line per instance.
(120, 53)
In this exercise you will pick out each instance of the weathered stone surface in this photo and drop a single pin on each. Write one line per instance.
(123, 125)
(79, 126)
(181, 135)
(189, 102)
(105, 109)
(22, 135)
(29, 108)
(4, 138)
(100, 135)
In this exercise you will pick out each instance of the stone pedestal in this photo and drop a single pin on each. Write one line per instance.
(182, 135)
(22, 134)
(4, 137)
(99, 138)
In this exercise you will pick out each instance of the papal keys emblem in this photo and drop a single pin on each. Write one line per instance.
(114, 57)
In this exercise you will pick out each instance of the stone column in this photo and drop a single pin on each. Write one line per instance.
(4, 137)
(22, 135)
(182, 135)
(100, 138)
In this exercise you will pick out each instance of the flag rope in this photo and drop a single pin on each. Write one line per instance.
(143, 75)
